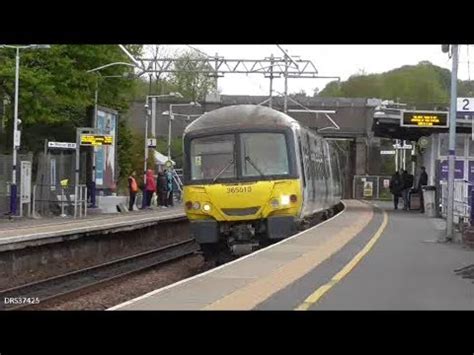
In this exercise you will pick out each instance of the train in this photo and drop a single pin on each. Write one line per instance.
(252, 176)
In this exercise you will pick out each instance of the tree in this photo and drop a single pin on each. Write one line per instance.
(56, 90)
(193, 86)
(333, 89)
(300, 94)
(419, 84)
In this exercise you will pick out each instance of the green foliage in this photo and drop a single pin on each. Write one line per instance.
(56, 91)
(176, 149)
(55, 88)
(157, 87)
(423, 83)
(191, 85)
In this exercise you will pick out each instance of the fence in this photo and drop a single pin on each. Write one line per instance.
(462, 200)
(54, 200)
(370, 187)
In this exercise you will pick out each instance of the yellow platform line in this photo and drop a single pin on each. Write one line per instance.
(316, 295)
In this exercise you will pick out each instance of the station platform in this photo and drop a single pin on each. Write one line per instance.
(31, 232)
(368, 257)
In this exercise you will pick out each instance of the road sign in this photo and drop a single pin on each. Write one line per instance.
(62, 145)
(96, 139)
(425, 119)
(151, 142)
(465, 104)
(169, 164)
(387, 152)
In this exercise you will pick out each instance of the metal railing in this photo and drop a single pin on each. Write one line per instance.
(60, 200)
(371, 187)
(462, 200)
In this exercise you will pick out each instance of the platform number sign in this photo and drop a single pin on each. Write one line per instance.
(465, 106)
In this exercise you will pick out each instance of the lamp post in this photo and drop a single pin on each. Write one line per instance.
(171, 118)
(452, 144)
(147, 114)
(94, 120)
(16, 133)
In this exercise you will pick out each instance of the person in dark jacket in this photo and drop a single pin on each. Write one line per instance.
(423, 181)
(396, 187)
(162, 189)
(407, 180)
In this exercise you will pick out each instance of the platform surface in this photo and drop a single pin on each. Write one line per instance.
(402, 267)
(31, 230)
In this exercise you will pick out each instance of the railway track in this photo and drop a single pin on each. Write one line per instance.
(66, 284)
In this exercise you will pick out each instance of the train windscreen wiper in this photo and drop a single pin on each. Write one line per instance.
(223, 170)
(247, 158)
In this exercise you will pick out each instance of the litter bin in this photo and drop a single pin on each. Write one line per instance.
(429, 198)
(414, 198)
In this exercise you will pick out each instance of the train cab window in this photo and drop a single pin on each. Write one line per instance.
(264, 154)
(213, 156)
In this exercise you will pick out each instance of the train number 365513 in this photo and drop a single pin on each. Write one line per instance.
(236, 189)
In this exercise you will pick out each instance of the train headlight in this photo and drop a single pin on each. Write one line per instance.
(196, 205)
(206, 207)
(275, 203)
(285, 200)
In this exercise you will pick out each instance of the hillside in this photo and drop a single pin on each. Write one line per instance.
(421, 84)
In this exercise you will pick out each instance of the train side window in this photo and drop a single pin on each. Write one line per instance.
(302, 162)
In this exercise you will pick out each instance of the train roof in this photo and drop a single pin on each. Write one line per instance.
(240, 117)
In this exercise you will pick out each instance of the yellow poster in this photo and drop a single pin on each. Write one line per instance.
(368, 189)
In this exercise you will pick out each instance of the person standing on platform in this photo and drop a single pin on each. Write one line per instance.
(169, 178)
(396, 186)
(132, 189)
(407, 180)
(162, 189)
(423, 181)
(150, 187)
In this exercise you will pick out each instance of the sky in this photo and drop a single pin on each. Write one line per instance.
(329, 60)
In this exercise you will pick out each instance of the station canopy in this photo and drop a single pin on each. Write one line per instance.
(387, 123)
(161, 159)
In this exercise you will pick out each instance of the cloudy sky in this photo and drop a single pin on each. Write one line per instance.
(330, 60)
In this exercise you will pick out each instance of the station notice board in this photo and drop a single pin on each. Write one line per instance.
(96, 139)
(429, 119)
(368, 189)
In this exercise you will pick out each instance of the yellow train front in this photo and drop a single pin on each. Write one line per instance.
(243, 178)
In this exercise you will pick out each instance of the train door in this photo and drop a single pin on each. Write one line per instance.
(303, 174)
(323, 173)
(329, 176)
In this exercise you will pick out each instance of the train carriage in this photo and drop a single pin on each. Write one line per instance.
(251, 174)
